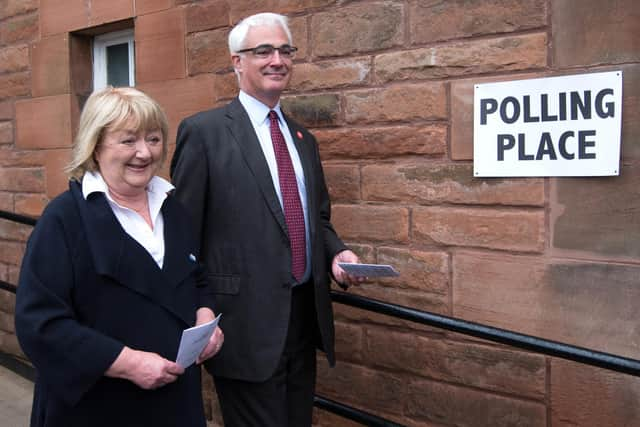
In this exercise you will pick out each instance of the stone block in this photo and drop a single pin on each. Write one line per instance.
(44, 122)
(598, 215)
(630, 112)
(239, 9)
(144, 7)
(425, 101)
(225, 86)
(349, 342)
(514, 230)
(14, 85)
(50, 72)
(207, 52)
(590, 32)
(299, 33)
(159, 36)
(62, 16)
(465, 364)
(382, 142)
(22, 179)
(313, 110)
(357, 28)
(104, 11)
(431, 302)
(7, 110)
(425, 271)
(443, 21)
(10, 8)
(14, 231)
(331, 74)
(57, 179)
(434, 403)
(371, 223)
(430, 183)
(6, 201)
(20, 29)
(605, 398)
(14, 59)
(11, 253)
(588, 304)
(6, 322)
(343, 182)
(21, 159)
(208, 16)
(495, 55)
(362, 387)
(6, 133)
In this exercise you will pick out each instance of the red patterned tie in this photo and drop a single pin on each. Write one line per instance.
(293, 214)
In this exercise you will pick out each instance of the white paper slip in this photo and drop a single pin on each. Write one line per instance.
(369, 270)
(193, 341)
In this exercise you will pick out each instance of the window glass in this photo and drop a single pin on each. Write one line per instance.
(118, 65)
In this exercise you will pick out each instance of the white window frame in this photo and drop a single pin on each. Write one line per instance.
(100, 44)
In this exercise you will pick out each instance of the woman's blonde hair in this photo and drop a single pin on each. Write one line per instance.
(112, 109)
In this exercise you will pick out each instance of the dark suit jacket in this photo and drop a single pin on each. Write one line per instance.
(222, 178)
(87, 289)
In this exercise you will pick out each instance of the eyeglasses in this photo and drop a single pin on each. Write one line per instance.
(265, 51)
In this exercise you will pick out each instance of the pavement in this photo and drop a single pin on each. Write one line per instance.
(16, 393)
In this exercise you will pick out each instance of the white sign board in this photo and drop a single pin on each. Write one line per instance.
(556, 126)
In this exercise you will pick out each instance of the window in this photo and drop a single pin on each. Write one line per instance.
(113, 60)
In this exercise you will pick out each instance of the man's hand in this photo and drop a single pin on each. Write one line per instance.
(204, 315)
(342, 277)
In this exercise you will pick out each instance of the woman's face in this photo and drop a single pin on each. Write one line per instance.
(128, 159)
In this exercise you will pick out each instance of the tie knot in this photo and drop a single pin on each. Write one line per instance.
(273, 116)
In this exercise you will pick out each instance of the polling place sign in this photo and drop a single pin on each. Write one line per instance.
(556, 126)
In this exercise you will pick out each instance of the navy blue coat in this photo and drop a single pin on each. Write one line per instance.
(87, 289)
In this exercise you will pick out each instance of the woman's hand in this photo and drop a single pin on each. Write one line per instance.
(147, 370)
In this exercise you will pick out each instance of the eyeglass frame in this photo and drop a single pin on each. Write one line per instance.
(273, 50)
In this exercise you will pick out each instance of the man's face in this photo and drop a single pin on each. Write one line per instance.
(264, 78)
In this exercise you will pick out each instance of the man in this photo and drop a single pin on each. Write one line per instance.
(252, 180)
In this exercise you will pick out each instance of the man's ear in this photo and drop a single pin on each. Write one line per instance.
(237, 64)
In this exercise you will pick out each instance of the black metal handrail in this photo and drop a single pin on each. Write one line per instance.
(527, 342)
(22, 219)
(8, 286)
(352, 413)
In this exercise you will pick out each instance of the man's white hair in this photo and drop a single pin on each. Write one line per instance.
(238, 34)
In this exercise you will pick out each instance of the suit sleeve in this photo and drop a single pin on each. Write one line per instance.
(189, 173)
(69, 357)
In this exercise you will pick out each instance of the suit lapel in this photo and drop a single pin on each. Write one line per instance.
(244, 135)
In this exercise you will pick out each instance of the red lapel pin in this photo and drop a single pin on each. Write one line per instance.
(299, 134)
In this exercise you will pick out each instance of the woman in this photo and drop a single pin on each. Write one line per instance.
(110, 280)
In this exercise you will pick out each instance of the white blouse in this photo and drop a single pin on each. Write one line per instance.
(152, 239)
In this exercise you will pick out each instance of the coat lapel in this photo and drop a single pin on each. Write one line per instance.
(118, 256)
(242, 131)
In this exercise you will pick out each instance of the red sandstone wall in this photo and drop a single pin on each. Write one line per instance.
(387, 87)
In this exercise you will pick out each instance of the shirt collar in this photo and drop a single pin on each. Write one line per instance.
(93, 182)
(257, 111)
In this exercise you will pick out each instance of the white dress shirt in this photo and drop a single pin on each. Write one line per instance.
(152, 239)
(259, 116)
